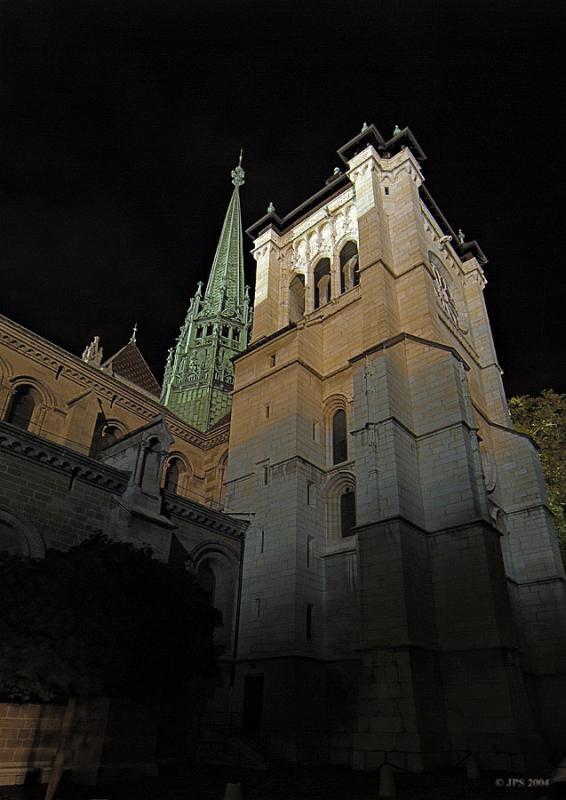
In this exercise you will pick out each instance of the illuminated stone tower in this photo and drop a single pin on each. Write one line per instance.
(403, 597)
(199, 374)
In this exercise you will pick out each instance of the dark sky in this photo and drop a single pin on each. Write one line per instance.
(120, 122)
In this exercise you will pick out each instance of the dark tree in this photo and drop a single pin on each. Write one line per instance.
(544, 419)
(103, 619)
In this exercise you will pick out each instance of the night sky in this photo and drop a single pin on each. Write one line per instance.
(120, 122)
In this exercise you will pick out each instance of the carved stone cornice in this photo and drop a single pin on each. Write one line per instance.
(27, 445)
(189, 510)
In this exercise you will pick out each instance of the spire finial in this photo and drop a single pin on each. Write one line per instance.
(238, 174)
(133, 336)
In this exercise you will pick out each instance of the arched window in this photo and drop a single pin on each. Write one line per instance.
(11, 540)
(347, 512)
(175, 468)
(339, 437)
(110, 435)
(105, 435)
(297, 298)
(206, 579)
(24, 402)
(322, 283)
(349, 267)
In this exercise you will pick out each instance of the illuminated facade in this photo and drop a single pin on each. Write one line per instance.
(385, 558)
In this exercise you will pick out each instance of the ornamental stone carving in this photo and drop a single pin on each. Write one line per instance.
(314, 244)
(340, 226)
(327, 237)
(443, 293)
(352, 220)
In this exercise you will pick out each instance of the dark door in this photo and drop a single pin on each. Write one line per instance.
(253, 703)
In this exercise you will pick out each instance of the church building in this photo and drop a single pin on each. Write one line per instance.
(341, 475)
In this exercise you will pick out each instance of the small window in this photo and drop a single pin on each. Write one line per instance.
(339, 440)
(225, 331)
(387, 190)
(173, 475)
(272, 360)
(347, 512)
(265, 475)
(199, 331)
(262, 541)
(267, 412)
(236, 335)
(23, 404)
(209, 330)
(309, 622)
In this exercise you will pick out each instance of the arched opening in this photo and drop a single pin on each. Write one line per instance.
(105, 435)
(206, 579)
(349, 267)
(22, 406)
(110, 435)
(173, 475)
(339, 437)
(347, 512)
(151, 462)
(297, 298)
(11, 540)
(215, 573)
(322, 283)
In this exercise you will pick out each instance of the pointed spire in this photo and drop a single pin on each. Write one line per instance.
(227, 271)
(133, 336)
(199, 373)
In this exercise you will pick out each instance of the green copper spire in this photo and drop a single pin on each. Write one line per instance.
(225, 287)
(199, 374)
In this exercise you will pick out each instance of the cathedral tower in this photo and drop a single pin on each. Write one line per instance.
(403, 595)
(198, 378)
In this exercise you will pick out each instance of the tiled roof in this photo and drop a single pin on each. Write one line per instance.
(129, 363)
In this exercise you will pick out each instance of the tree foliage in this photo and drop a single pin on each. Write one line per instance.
(544, 419)
(101, 619)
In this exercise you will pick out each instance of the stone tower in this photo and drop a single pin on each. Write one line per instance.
(199, 374)
(403, 594)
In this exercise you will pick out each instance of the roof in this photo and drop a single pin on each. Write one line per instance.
(128, 363)
(225, 287)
